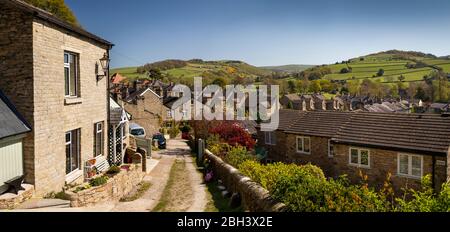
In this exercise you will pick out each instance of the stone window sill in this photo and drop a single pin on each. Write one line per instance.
(409, 177)
(71, 177)
(73, 101)
(359, 166)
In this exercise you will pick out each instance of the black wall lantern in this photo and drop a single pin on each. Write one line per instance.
(104, 62)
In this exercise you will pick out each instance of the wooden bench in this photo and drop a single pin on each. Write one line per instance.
(15, 184)
(102, 164)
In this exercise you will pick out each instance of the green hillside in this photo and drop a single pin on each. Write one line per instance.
(396, 65)
(291, 68)
(185, 71)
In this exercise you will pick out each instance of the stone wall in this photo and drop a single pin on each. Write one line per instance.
(16, 72)
(148, 112)
(116, 188)
(254, 197)
(32, 76)
(54, 114)
(11, 201)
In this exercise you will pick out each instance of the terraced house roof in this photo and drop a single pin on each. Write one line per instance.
(425, 133)
(414, 132)
(319, 123)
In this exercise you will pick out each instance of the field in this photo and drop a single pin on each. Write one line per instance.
(393, 66)
(211, 70)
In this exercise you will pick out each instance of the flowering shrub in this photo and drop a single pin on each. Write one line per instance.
(305, 189)
(233, 134)
(238, 155)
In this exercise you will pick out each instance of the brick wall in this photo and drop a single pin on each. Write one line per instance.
(52, 116)
(318, 156)
(382, 162)
(274, 152)
(16, 72)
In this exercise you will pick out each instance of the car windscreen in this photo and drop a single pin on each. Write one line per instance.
(137, 132)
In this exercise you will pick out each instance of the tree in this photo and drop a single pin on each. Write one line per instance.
(315, 87)
(401, 78)
(344, 70)
(291, 86)
(303, 85)
(380, 72)
(326, 85)
(420, 94)
(57, 8)
(220, 81)
(155, 74)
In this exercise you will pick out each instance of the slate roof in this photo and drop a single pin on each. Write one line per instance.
(415, 132)
(11, 122)
(287, 118)
(319, 123)
(295, 98)
(46, 16)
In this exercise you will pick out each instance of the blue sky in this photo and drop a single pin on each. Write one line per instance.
(263, 32)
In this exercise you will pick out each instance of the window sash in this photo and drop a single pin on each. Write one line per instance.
(72, 151)
(304, 145)
(330, 149)
(98, 139)
(359, 157)
(407, 166)
(71, 74)
(269, 138)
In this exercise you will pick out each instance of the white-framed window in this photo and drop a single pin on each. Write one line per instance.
(303, 145)
(410, 165)
(169, 114)
(99, 139)
(359, 157)
(330, 149)
(71, 74)
(270, 138)
(72, 151)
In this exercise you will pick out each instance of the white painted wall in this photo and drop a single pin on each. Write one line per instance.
(11, 160)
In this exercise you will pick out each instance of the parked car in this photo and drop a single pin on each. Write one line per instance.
(137, 131)
(161, 140)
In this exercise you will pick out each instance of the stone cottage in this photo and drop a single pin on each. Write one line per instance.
(405, 146)
(272, 141)
(50, 72)
(147, 110)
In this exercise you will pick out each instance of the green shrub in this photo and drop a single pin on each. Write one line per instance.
(99, 181)
(173, 131)
(305, 189)
(113, 170)
(238, 155)
(426, 200)
(220, 149)
(82, 188)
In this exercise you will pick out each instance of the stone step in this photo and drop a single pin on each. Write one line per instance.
(44, 203)
(221, 187)
(220, 181)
